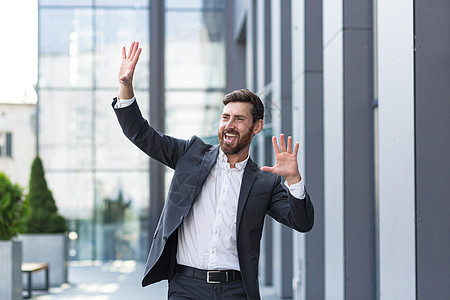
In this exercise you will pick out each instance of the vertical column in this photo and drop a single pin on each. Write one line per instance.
(359, 212)
(333, 126)
(348, 150)
(157, 25)
(315, 268)
(250, 47)
(262, 76)
(282, 122)
(235, 45)
(432, 145)
(395, 59)
(298, 119)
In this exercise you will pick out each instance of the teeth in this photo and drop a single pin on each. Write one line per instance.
(231, 135)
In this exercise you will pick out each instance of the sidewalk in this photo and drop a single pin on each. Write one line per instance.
(115, 280)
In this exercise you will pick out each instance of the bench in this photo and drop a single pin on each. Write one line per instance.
(30, 268)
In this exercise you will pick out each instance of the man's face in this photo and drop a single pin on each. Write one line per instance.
(236, 128)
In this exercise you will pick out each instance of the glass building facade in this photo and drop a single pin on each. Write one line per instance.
(99, 179)
(363, 90)
(194, 66)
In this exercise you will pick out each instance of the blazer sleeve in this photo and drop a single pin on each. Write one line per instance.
(290, 211)
(163, 148)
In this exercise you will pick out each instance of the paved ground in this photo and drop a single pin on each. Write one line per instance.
(116, 280)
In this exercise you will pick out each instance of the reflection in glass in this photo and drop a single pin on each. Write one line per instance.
(189, 113)
(73, 193)
(195, 4)
(121, 214)
(115, 29)
(113, 149)
(99, 179)
(195, 51)
(106, 211)
(64, 2)
(65, 50)
(65, 129)
(126, 3)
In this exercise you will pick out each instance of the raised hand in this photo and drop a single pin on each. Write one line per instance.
(126, 70)
(286, 160)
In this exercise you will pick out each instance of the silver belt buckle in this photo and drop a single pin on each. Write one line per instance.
(207, 276)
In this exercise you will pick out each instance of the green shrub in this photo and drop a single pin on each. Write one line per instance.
(12, 208)
(43, 216)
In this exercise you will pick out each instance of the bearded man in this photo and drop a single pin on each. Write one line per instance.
(207, 241)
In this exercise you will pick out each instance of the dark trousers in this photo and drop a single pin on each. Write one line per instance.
(182, 287)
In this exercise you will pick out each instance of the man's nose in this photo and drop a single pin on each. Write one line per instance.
(230, 123)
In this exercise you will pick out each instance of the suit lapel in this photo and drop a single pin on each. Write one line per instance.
(208, 161)
(247, 181)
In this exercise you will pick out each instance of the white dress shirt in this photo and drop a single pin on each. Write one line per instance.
(207, 236)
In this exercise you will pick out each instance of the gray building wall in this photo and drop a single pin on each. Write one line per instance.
(373, 116)
(315, 267)
(432, 147)
(359, 230)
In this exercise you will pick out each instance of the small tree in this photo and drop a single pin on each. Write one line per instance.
(44, 216)
(12, 208)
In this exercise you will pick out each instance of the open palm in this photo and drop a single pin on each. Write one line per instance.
(128, 64)
(286, 160)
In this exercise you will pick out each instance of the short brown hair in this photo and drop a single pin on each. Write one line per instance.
(244, 95)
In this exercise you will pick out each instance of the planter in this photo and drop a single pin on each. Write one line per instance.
(49, 248)
(10, 270)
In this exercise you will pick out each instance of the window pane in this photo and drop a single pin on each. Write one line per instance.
(113, 149)
(135, 3)
(195, 51)
(65, 2)
(65, 129)
(122, 214)
(8, 144)
(115, 29)
(112, 206)
(65, 49)
(199, 4)
(60, 27)
(189, 113)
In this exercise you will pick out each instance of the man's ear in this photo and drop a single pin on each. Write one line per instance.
(258, 126)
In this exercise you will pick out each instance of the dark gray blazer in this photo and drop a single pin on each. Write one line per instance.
(261, 193)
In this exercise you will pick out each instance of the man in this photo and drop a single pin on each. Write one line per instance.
(208, 237)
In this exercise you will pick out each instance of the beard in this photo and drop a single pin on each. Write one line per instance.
(242, 141)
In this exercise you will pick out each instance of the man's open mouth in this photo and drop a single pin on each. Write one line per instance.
(230, 138)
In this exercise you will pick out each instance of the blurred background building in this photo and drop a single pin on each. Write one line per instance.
(362, 85)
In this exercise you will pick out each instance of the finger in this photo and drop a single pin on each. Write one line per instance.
(136, 57)
(135, 50)
(282, 143)
(296, 149)
(289, 145)
(267, 169)
(275, 145)
(124, 53)
(131, 49)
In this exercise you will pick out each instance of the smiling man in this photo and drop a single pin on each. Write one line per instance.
(208, 237)
(241, 119)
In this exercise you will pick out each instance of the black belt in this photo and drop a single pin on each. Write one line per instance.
(213, 276)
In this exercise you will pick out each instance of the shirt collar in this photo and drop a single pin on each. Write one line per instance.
(223, 159)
